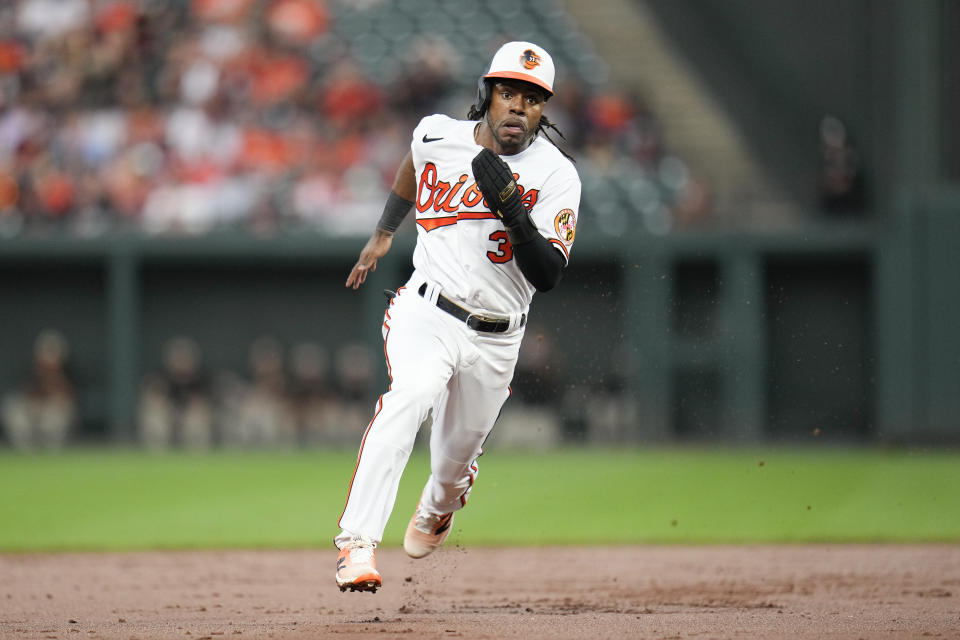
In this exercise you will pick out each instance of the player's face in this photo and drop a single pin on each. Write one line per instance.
(513, 116)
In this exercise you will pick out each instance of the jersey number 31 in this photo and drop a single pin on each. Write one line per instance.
(504, 252)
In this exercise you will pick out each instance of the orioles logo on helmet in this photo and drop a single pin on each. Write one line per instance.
(530, 59)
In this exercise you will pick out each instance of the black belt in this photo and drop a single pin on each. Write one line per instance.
(475, 322)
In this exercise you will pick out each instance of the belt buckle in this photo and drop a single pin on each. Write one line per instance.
(499, 324)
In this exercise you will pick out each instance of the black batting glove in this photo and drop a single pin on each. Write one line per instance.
(499, 189)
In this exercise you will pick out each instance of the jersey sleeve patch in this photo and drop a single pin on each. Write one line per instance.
(566, 225)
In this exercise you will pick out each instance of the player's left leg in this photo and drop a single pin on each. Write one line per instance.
(461, 424)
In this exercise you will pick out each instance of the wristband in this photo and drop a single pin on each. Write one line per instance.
(394, 211)
(521, 230)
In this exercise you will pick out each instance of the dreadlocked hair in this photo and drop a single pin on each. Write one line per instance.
(542, 128)
(478, 110)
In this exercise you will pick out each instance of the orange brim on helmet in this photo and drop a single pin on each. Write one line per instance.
(523, 61)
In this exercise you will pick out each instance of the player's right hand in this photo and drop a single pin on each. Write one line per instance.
(377, 246)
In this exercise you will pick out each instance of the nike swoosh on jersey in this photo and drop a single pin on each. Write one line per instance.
(427, 139)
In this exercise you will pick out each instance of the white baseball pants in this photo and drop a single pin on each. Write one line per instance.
(436, 364)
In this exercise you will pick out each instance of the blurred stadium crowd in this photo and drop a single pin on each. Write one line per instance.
(186, 116)
(272, 116)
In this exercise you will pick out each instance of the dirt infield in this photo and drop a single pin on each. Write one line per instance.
(881, 591)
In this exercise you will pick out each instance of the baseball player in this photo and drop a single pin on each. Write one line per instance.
(496, 209)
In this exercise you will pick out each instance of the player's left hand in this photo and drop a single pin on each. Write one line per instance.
(499, 189)
(377, 246)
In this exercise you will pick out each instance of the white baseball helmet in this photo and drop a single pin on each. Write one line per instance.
(523, 61)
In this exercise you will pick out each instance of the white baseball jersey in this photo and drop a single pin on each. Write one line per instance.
(438, 365)
(461, 245)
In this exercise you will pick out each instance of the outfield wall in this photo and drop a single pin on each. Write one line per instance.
(847, 330)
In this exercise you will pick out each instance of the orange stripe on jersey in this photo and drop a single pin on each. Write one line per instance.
(563, 248)
(435, 223)
(476, 215)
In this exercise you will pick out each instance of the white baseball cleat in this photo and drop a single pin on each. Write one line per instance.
(357, 566)
(426, 532)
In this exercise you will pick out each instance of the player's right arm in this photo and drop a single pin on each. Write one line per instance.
(399, 203)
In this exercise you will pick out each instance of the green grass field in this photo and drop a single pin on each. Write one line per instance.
(116, 499)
